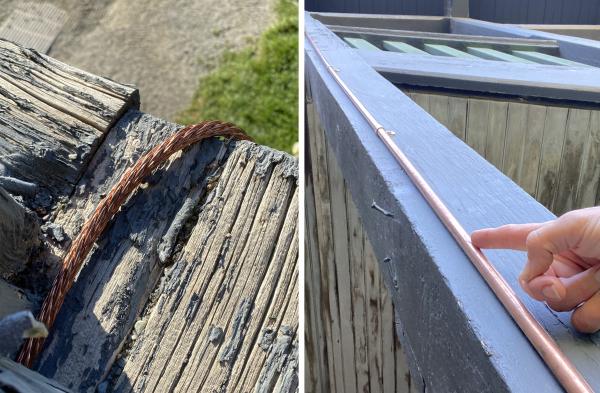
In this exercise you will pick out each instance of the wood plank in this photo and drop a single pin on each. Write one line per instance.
(342, 272)
(555, 127)
(359, 43)
(477, 124)
(326, 256)
(496, 135)
(515, 139)
(438, 108)
(530, 163)
(422, 99)
(457, 116)
(492, 54)
(322, 345)
(387, 338)
(373, 291)
(589, 179)
(444, 50)
(402, 47)
(543, 58)
(359, 296)
(61, 111)
(577, 134)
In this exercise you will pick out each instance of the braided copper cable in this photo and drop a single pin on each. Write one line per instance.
(105, 211)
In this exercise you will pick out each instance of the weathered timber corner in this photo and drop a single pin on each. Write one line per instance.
(194, 285)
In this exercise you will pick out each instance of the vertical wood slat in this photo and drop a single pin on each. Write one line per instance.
(457, 116)
(552, 144)
(528, 171)
(368, 339)
(496, 134)
(316, 379)
(359, 299)
(340, 246)
(587, 190)
(328, 301)
(528, 142)
(577, 132)
(477, 124)
(515, 139)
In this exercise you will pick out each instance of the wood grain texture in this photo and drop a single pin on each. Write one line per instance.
(362, 297)
(53, 117)
(191, 202)
(236, 273)
(525, 140)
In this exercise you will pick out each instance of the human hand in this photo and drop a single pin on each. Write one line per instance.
(563, 262)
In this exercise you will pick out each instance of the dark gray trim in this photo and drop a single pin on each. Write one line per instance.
(458, 335)
(528, 80)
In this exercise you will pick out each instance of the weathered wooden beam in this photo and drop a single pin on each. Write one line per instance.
(226, 315)
(53, 117)
(189, 206)
(438, 24)
(19, 232)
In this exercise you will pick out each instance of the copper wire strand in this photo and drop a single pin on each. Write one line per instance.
(560, 365)
(106, 210)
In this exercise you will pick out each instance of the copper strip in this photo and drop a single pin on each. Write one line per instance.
(561, 366)
(105, 211)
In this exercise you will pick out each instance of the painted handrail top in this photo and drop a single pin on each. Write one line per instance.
(576, 83)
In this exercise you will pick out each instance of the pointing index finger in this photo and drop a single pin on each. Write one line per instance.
(512, 236)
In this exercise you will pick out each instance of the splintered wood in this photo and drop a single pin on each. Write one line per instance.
(53, 117)
(224, 315)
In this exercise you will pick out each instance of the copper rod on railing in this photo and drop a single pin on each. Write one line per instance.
(562, 368)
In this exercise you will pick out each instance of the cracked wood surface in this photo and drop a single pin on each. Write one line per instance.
(53, 117)
(244, 198)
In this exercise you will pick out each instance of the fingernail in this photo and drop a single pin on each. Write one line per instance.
(551, 293)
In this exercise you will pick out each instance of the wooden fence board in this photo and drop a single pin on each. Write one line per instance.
(528, 171)
(589, 179)
(496, 133)
(576, 136)
(477, 124)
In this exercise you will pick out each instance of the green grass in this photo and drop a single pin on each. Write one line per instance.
(256, 87)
